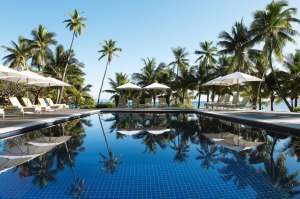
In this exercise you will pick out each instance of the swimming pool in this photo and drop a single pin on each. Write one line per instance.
(150, 156)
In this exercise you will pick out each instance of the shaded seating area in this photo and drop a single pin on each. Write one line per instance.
(148, 103)
(17, 108)
(135, 103)
(162, 103)
(28, 103)
(122, 103)
(234, 101)
(61, 106)
(243, 104)
(45, 107)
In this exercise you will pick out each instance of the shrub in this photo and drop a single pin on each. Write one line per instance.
(297, 109)
(107, 105)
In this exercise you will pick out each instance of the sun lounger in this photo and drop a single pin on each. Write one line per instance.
(225, 101)
(234, 101)
(148, 103)
(135, 103)
(61, 106)
(27, 102)
(122, 103)
(162, 102)
(2, 112)
(17, 108)
(45, 107)
(212, 104)
(243, 104)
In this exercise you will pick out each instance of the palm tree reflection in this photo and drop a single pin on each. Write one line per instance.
(109, 163)
(208, 154)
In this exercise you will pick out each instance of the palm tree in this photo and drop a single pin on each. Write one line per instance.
(201, 77)
(19, 54)
(120, 79)
(180, 61)
(238, 44)
(292, 64)
(75, 24)
(207, 58)
(208, 155)
(40, 43)
(109, 49)
(207, 54)
(273, 26)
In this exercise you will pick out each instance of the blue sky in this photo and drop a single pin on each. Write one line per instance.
(147, 28)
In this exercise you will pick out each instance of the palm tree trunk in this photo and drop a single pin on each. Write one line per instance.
(102, 82)
(272, 102)
(296, 99)
(38, 95)
(276, 80)
(199, 97)
(292, 103)
(65, 71)
(103, 133)
(258, 95)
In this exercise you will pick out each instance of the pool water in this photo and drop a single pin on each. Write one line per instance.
(150, 156)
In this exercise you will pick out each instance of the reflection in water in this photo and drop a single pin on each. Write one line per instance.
(109, 163)
(42, 154)
(247, 160)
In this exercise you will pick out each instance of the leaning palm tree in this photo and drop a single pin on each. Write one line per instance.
(19, 54)
(75, 24)
(109, 49)
(40, 43)
(273, 26)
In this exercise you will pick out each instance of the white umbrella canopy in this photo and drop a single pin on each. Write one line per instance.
(49, 81)
(129, 86)
(238, 77)
(129, 132)
(25, 77)
(217, 82)
(157, 86)
(6, 72)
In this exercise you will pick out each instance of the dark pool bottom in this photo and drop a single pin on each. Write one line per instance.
(167, 156)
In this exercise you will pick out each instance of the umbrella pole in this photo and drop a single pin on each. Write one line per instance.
(27, 90)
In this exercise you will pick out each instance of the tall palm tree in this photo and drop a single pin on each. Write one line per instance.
(19, 54)
(207, 54)
(207, 58)
(40, 43)
(75, 24)
(238, 44)
(180, 61)
(109, 49)
(273, 26)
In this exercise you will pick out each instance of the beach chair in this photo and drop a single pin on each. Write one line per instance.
(61, 106)
(2, 112)
(122, 103)
(45, 107)
(212, 104)
(162, 103)
(243, 104)
(225, 101)
(135, 103)
(17, 108)
(27, 102)
(148, 103)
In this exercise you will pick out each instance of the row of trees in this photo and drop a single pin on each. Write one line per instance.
(271, 27)
(58, 63)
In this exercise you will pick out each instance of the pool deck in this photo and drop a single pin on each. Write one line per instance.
(13, 125)
(283, 122)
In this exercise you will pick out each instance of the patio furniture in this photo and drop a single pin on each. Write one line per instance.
(135, 103)
(27, 102)
(17, 108)
(2, 112)
(122, 103)
(61, 106)
(212, 104)
(162, 103)
(235, 101)
(243, 104)
(45, 107)
(148, 103)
